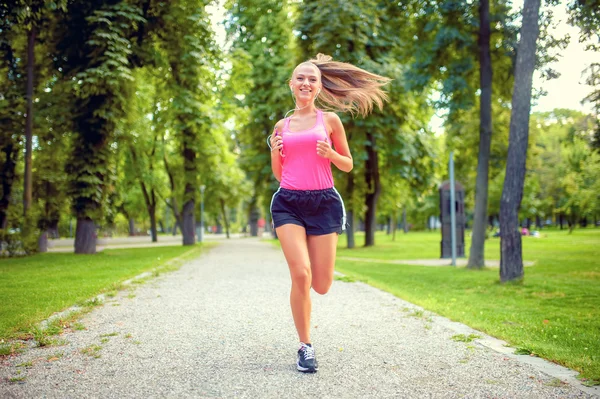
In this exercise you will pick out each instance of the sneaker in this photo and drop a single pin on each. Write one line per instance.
(307, 363)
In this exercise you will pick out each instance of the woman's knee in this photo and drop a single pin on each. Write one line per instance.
(322, 286)
(301, 275)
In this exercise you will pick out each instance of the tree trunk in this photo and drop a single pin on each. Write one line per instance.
(173, 203)
(27, 182)
(404, 225)
(225, 217)
(253, 216)
(188, 227)
(394, 222)
(131, 227)
(149, 197)
(560, 220)
(511, 256)
(538, 222)
(476, 254)
(373, 190)
(43, 241)
(153, 230)
(350, 242)
(571, 223)
(85, 236)
(53, 229)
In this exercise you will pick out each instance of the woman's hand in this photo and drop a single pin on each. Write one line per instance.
(324, 149)
(276, 142)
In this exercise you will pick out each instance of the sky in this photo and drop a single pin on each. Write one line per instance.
(567, 91)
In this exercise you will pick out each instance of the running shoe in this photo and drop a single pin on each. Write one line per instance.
(307, 362)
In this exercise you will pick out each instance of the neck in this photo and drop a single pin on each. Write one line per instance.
(305, 109)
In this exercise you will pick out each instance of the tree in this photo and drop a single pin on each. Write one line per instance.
(511, 256)
(447, 36)
(95, 50)
(12, 125)
(263, 55)
(190, 56)
(393, 132)
(476, 258)
(141, 145)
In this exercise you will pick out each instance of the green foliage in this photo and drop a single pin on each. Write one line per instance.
(401, 138)
(564, 169)
(21, 241)
(102, 84)
(263, 55)
(442, 41)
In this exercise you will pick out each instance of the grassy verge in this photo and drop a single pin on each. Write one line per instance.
(33, 288)
(554, 313)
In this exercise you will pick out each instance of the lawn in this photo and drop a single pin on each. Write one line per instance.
(33, 288)
(554, 313)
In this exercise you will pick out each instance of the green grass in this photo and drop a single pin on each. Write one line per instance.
(33, 288)
(554, 313)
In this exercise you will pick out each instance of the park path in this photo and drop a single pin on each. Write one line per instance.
(220, 327)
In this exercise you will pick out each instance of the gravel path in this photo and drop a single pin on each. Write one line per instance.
(221, 327)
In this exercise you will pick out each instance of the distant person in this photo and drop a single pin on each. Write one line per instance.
(307, 211)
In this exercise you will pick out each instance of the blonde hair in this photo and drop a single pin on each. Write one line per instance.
(348, 88)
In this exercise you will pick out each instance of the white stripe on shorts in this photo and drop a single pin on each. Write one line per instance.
(271, 207)
(343, 209)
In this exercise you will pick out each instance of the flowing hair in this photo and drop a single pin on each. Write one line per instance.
(349, 88)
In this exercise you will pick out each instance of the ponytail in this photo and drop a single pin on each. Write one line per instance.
(347, 88)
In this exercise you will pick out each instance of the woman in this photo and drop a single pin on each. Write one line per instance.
(307, 211)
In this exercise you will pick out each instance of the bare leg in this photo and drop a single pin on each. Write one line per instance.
(321, 250)
(293, 243)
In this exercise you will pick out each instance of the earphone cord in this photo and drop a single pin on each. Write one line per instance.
(285, 116)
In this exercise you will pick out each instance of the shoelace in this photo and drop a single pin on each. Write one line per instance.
(309, 352)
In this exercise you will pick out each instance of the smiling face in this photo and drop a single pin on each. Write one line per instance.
(306, 82)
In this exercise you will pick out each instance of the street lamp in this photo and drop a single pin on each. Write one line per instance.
(201, 232)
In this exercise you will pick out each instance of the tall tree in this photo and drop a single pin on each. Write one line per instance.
(187, 41)
(451, 43)
(13, 107)
(375, 46)
(476, 258)
(263, 55)
(511, 256)
(32, 15)
(95, 53)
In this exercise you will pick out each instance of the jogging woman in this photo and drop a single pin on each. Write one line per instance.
(307, 211)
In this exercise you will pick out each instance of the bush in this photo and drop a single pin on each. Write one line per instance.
(16, 242)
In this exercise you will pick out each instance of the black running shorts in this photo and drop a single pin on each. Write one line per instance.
(318, 211)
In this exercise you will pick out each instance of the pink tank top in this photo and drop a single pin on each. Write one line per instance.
(303, 168)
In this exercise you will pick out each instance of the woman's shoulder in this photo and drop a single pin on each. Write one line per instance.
(331, 118)
(280, 123)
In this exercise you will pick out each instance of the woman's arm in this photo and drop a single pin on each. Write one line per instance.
(341, 156)
(276, 145)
